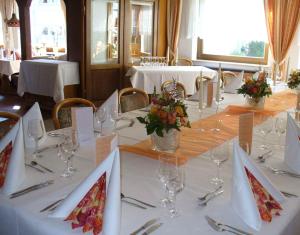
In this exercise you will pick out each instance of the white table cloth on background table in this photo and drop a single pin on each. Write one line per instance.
(9, 67)
(47, 77)
(139, 179)
(146, 77)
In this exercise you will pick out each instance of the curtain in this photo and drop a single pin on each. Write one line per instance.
(189, 27)
(174, 9)
(11, 35)
(128, 34)
(63, 8)
(282, 17)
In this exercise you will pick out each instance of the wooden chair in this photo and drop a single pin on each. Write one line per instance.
(132, 98)
(205, 79)
(10, 120)
(61, 113)
(182, 62)
(227, 75)
(179, 87)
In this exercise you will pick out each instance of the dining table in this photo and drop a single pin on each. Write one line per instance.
(47, 77)
(148, 77)
(8, 67)
(139, 179)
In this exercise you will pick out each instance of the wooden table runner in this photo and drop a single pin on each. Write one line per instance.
(194, 142)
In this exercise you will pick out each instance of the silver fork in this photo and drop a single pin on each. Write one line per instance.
(283, 172)
(209, 193)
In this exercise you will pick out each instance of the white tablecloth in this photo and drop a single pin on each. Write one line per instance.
(47, 77)
(139, 179)
(9, 67)
(146, 77)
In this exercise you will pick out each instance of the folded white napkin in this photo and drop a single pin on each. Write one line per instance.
(255, 75)
(109, 104)
(233, 84)
(111, 221)
(82, 121)
(242, 199)
(292, 145)
(33, 113)
(15, 173)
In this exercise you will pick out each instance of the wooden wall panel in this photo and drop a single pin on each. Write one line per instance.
(162, 28)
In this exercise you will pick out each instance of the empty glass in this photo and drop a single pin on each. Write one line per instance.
(100, 117)
(280, 128)
(265, 128)
(68, 149)
(36, 132)
(219, 155)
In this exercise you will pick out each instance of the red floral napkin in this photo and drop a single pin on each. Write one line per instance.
(88, 214)
(266, 204)
(4, 160)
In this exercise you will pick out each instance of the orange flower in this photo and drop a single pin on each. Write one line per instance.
(179, 111)
(171, 118)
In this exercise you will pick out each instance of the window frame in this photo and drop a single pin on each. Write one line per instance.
(232, 58)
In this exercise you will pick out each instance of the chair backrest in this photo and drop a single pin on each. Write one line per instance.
(10, 120)
(182, 62)
(132, 98)
(179, 87)
(226, 75)
(61, 113)
(205, 79)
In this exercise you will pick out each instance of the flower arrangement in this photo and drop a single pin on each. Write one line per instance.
(294, 79)
(255, 88)
(165, 113)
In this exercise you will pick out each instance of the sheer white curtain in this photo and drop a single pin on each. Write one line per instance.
(145, 27)
(190, 19)
(11, 35)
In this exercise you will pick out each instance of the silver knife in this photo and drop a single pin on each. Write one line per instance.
(147, 224)
(226, 225)
(134, 204)
(51, 205)
(33, 167)
(31, 188)
(152, 229)
(203, 203)
(47, 147)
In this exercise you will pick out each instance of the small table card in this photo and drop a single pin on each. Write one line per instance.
(82, 121)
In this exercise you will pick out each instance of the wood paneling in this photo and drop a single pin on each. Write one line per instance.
(162, 28)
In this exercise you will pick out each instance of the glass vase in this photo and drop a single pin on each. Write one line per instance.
(256, 103)
(168, 143)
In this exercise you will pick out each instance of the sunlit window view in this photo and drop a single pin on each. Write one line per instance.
(235, 27)
(141, 28)
(104, 35)
(48, 28)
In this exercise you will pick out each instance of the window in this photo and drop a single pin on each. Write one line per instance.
(104, 31)
(233, 30)
(48, 28)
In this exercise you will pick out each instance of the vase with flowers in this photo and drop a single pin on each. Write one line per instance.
(294, 80)
(255, 91)
(164, 120)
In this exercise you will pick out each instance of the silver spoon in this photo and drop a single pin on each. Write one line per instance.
(34, 163)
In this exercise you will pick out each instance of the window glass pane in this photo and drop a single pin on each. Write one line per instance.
(141, 28)
(48, 28)
(233, 27)
(104, 31)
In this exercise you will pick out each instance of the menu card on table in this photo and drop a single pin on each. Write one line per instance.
(95, 204)
(82, 122)
(12, 163)
(292, 145)
(104, 146)
(254, 198)
(246, 131)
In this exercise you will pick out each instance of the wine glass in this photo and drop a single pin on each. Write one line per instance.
(280, 128)
(36, 132)
(219, 155)
(100, 117)
(175, 184)
(69, 147)
(115, 116)
(164, 170)
(265, 128)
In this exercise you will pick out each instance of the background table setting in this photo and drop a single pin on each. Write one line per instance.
(141, 178)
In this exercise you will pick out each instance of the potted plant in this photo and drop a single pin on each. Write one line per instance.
(255, 91)
(294, 80)
(164, 120)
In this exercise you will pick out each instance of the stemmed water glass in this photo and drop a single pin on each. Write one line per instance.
(280, 128)
(100, 117)
(115, 116)
(219, 155)
(265, 128)
(36, 132)
(69, 147)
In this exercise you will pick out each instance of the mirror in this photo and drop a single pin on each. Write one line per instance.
(142, 22)
(104, 31)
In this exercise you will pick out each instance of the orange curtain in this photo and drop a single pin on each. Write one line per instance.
(282, 17)
(173, 27)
